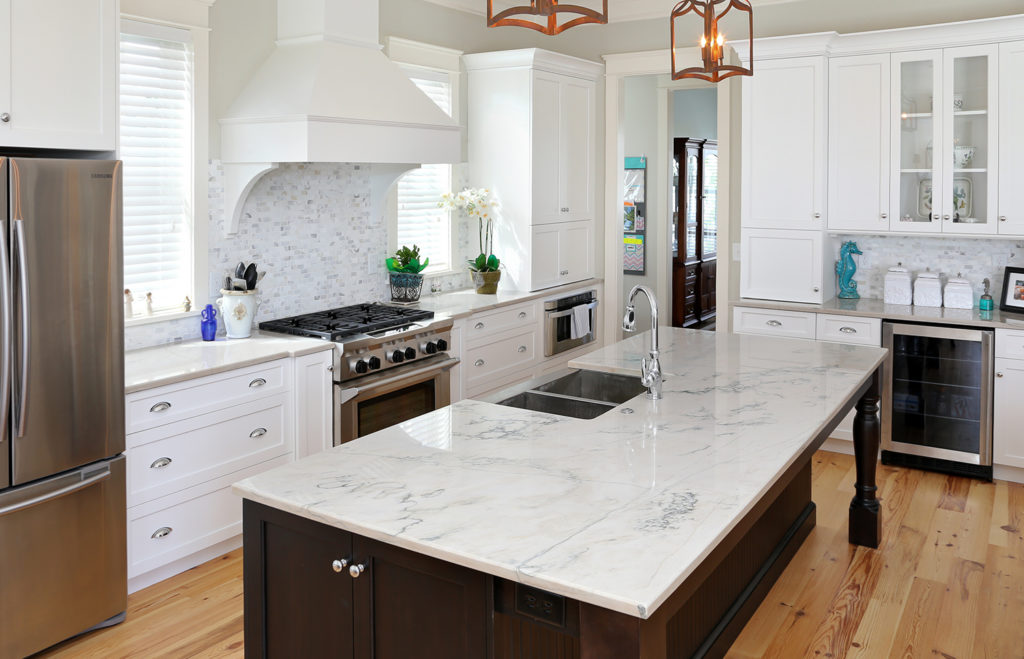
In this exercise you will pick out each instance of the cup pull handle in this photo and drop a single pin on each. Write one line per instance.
(259, 432)
(773, 323)
(478, 326)
(522, 348)
(161, 532)
(258, 382)
(478, 362)
(847, 330)
(160, 463)
(162, 406)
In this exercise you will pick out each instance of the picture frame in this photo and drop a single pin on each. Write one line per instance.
(1012, 298)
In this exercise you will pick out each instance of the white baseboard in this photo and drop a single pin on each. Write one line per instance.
(182, 564)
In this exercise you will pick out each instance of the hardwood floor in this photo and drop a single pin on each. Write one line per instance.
(947, 581)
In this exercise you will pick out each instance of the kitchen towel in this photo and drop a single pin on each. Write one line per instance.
(580, 325)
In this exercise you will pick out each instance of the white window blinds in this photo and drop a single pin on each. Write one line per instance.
(420, 221)
(156, 147)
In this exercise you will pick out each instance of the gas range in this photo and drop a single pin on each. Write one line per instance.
(372, 337)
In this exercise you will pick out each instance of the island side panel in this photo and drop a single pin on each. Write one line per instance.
(865, 512)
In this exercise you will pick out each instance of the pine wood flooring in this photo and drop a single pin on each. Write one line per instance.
(947, 582)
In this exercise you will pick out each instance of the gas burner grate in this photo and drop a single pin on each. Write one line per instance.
(337, 324)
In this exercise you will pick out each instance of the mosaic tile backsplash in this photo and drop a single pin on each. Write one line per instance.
(309, 226)
(973, 258)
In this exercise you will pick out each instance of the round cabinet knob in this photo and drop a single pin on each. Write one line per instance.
(999, 375)
(885, 216)
(410, 353)
(1002, 218)
(945, 217)
(816, 289)
(374, 363)
(397, 357)
(357, 570)
(5, 117)
(442, 345)
(339, 564)
(430, 347)
(361, 366)
(817, 216)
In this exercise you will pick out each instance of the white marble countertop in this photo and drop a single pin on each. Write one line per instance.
(561, 503)
(176, 362)
(875, 308)
(459, 304)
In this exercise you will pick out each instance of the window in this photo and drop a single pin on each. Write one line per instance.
(419, 220)
(157, 147)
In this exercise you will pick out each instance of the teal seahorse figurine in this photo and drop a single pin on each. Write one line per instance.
(845, 267)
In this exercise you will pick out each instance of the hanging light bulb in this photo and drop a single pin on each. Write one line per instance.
(712, 40)
(550, 11)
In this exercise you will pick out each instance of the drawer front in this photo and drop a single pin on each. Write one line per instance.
(793, 324)
(485, 325)
(487, 361)
(849, 329)
(1010, 343)
(169, 458)
(156, 407)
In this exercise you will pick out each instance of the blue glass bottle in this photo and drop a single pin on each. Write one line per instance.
(209, 324)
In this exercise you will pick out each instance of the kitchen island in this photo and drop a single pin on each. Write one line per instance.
(479, 530)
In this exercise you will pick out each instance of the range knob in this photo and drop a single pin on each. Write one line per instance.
(374, 363)
(397, 357)
(361, 366)
(430, 347)
(442, 345)
(410, 353)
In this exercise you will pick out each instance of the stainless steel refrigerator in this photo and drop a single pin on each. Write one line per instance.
(62, 475)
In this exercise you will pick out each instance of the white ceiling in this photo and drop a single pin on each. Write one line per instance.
(618, 10)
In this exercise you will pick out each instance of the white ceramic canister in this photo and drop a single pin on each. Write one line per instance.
(237, 310)
(958, 294)
(928, 290)
(898, 287)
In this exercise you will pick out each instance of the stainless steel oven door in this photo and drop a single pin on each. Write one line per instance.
(378, 401)
(558, 330)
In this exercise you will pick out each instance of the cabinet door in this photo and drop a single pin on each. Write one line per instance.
(62, 66)
(858, 154)
(314, 400)
(576, 150)
(1007, 439)
(917, 151)
(575, 251)
(545, 129)
(545, 252)
(298, 600)
(781, 265)
(1011, 138)
(411, 606)
(970, 109)
(784, 144)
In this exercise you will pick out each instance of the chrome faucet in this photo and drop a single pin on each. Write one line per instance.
(650, 368)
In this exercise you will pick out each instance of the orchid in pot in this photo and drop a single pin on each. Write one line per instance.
(478, 203)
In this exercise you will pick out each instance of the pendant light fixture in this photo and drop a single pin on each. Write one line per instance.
(738, 14)
(544, 16)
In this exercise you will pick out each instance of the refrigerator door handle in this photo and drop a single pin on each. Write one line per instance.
(6, 335)
(58, 492)
(22, 408)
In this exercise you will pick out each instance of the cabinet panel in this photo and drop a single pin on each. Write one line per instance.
(545, 156)
(576, 157)
(771, 322)
(576, 252)
(782, 265)
(1011, 138)
(544, 258)
(1007, 439)
(314, 400)
(916, 130)
(784, 144)
(858, 156)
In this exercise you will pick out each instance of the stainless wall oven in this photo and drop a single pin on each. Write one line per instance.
(938, 398)
(560, 332)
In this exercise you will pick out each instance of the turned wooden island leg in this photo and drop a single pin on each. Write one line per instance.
(865, 515)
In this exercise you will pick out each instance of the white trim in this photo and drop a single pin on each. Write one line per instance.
(535, 59)
(152, 30)
(424, 55)
(191, 14)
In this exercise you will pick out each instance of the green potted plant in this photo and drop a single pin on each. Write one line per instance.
(478, 203)
(405, 271)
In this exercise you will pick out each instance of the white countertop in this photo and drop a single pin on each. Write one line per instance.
(616, 511)
(875, 308)
(459, 304)
(176, 362)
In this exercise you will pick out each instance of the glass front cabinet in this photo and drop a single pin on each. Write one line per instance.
(944, 145)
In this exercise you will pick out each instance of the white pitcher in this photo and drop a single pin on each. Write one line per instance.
(237, 309)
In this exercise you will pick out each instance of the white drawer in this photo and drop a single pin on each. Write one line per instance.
(483, 326)
(172, 457)
(849, 329)
(793, 324)
(174, 402)
(1010, 343)
(509, 354)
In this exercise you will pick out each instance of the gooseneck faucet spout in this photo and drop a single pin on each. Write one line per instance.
(650, 367)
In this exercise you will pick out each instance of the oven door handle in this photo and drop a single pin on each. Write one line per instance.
(566, 312)
(425, 373)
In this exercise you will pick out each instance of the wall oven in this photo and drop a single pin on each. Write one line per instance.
(561, 331)
(937, 398)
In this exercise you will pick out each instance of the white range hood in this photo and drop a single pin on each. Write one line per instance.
(327, 93)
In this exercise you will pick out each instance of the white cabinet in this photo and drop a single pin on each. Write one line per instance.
(858, 143)
(1011, 138)
(532, 135)
(784, 159)
(314, 403)
(1008, 413)
(562, 253)
(57, 74)
(771, 322)
(785, 265)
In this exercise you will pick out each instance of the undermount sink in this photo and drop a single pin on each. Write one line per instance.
(579, 394)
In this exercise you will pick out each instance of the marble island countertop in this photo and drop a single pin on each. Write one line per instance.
(616, 511)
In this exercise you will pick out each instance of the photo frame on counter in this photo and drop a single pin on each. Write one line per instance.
(1012, 299)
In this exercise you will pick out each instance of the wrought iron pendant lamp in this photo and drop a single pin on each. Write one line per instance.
(544, 16)
(712, 38)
